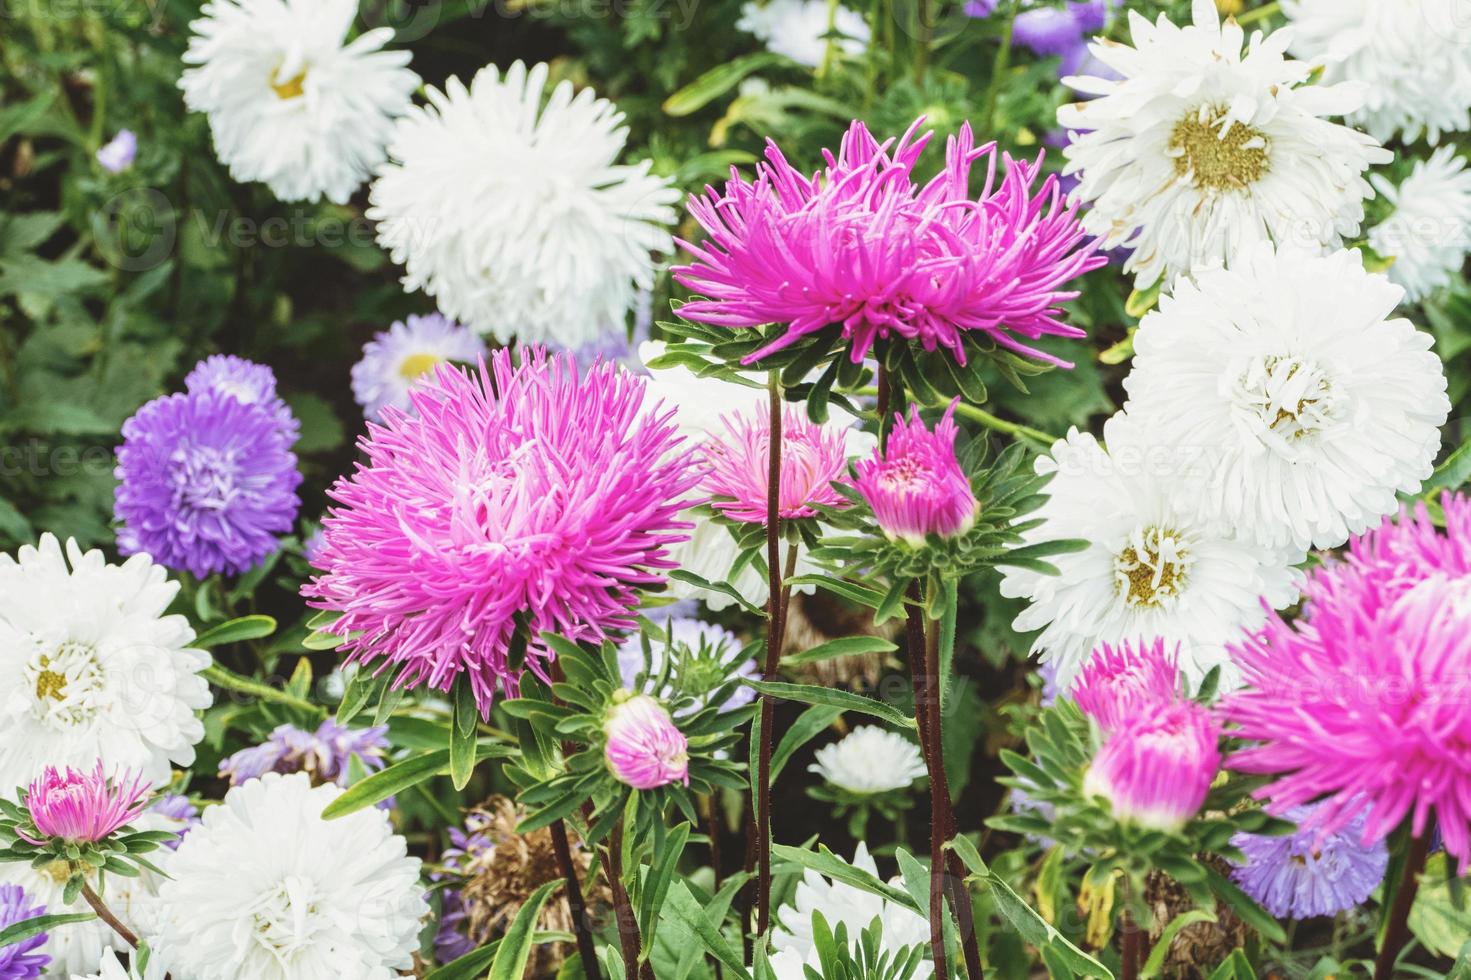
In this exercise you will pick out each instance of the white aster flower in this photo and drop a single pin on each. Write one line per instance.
(112, 968)
(1429, 232)
(700, 406)
(291, 102)
(1414, 57)
(796, 29)
(1307, 408)
(396, 358)
(1152, 566)
(91, 668)
(853, 907)
(511, 210)
(265, 889)
(870, 760)
(1199, 150)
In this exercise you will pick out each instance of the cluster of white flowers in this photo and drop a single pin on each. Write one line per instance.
(1275, 402)
(799, 29)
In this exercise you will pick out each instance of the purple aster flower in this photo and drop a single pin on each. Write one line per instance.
(324, 755)
(980, 8)
(20, 961)
(1046, 30)
(206, 482)
(452, 940)
(1308, 873)
(246, 382)
(178, 808)
(118, 153)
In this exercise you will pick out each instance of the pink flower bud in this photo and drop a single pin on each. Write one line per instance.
(1157, 769)
(915, 486)
(644, 748)
(83, 807)
(1124, 682)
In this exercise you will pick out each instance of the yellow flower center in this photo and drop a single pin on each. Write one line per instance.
(416, 364)
(1216, 160)
(1151, 569)
(50, 684)
(291, 88)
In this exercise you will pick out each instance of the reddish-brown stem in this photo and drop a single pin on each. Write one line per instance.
(1131, 941)
(575, 902)
(629, 940)
(105, 914)
(1396, 929)
(773, 659)
(924, 722)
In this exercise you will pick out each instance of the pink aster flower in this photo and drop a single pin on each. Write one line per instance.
(1123, 682)
(813, 456)
(1403, 552)
(644, 749)
(522, 495)
(861, 244)
(83, 807)
(916, 487)
(1364, 707)
(1157, 769)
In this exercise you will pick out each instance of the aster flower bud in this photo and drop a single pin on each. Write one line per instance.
(82, 807)
(1157, 769)
(644, 749)
(1121, 682)
(915, 486)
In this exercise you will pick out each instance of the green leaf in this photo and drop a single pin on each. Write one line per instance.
(683, 907)
(1451, 474)
(1441, 915)
(724, 588)
(835, 698)
(515, 949)
(401, 776)
(848, 646)
(462, 735)
(1247, 910)
(26, 928)
(716, 82)
(812, 722)
(1156, 960)
(861, 594)
(471, 966)
(236, 631)
(826, 862)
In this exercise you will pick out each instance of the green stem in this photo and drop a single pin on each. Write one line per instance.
(998, 69)
(231, 681)
(969, 411)
(1260, 13)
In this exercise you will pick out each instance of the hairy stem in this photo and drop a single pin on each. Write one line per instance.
(575, 902)
(1396, 928)
(1131, 940)
(629, 940)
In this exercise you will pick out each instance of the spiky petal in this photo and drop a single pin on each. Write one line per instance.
(81, 807)
(915, 485)
(1121, 682)
(644, 748)
(813, 456)
(1157, 769)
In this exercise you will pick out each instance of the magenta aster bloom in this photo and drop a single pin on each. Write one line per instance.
(1306, 873)
(206, 482)
(83, 807)
(1123, 682)
(861, 244)
(644, 749)
(1363, 707)
(1401, 553)
(20, 961)
(525, 495)
(1157, 769)
(916, 487)
(739, 476)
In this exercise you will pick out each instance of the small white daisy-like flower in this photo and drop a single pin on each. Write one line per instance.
(396, 358)
(700, 407)
(291, 102)
(1413, 55)
(92, 668)
(853, 907)
(1429, 232)
(797, 29)
(1309, 408)
(265, 889)
(1200, 150)
(870, 760)
(1152, 568)
(508, 206)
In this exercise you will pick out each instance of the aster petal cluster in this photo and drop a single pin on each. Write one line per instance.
(207, 481)
(1363, 708)
(1411, 56)
(915, 486)
(515, 496)
(84, 807)
(1122, 682)
(644, 748)
(1428, 234)
(869, 760)
(22, 960)
(738, 480)
(290, 100)
(797, 29)
(399, 356)
(1156, 770)
(862, 245)
(1306, 873)
(316, 900)
(326, 755)
(1202, 148)
(506, 203)
(1302, 405)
